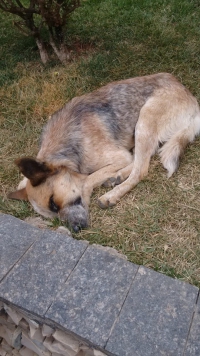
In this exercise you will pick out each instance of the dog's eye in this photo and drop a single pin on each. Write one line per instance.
(53, 206)
(77, 201)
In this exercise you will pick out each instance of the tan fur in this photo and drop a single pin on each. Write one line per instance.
(90, 141)
(20, 194)
(65, 181)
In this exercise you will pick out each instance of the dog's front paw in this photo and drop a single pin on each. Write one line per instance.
(106, 201)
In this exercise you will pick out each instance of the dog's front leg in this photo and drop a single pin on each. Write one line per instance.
(113, 196)
(146, 143)
(97, 178)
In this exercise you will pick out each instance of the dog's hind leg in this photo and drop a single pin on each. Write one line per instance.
(157, 123)
(146, 143)
(173, 149)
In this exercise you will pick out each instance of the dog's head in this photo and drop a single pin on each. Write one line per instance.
(53, 191)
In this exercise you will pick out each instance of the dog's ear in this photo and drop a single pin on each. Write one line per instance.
(18, 194)
(37, 172)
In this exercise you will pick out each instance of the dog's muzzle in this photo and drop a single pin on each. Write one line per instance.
(76, 215)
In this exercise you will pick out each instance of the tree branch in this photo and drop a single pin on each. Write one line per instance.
(20, 27)
(19, 3)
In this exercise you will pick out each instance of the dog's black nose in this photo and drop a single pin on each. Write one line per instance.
(79, 226)
(76, 228)
(76, 215)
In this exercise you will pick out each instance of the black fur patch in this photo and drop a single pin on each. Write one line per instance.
(36, 171)
(53, 206)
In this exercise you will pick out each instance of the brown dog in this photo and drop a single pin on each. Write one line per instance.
(90, 141)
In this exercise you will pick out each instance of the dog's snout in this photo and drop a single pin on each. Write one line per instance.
(78, 227)
(76, 215)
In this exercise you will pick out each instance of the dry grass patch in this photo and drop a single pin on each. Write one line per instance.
(158, 223)
(26, 105)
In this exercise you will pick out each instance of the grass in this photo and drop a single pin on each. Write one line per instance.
(157, 224)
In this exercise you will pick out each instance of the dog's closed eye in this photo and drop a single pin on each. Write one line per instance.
(53, 206)
(77, 201)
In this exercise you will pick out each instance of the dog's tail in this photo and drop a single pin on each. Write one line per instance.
(174, 146)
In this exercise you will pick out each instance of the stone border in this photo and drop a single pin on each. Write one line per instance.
(22, 336)
(106, 302)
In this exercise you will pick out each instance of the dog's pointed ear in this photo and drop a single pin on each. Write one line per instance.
(37, 172)
(20, 194)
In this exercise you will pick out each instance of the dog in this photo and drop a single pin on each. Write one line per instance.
(107, 137)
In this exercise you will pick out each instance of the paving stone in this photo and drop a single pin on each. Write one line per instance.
(2, 351)
(193, 345)
(13, 314)
(26, 352)
(39, 275)
(6, 347)
(36, 334)
(39, 349)
(58, 348)
(155, 318)
(24, 325)
(4, 322)
(66, 340)
(15, 238)
(12, 337)
(47, 330)
(93, 296)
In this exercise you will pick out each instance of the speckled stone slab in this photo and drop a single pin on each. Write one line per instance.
(36, 279)
(156, 317)
(115, 305)
(193, 345)
(94, 295)
(15, 238)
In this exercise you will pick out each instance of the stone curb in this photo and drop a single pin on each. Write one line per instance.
(106, 302)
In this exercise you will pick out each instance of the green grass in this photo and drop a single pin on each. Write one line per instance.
(157, 223)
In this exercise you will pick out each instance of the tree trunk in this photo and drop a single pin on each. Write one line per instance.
(43, 52)
(61, 52)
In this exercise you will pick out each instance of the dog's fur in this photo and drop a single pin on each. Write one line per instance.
(90, 141)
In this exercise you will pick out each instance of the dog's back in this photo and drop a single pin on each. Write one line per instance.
(113, 111)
